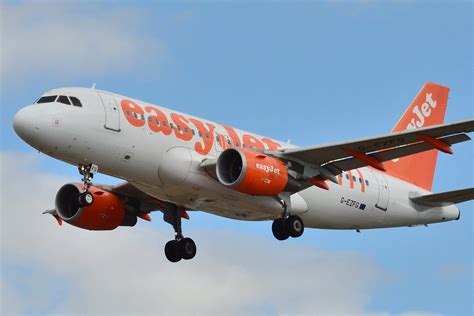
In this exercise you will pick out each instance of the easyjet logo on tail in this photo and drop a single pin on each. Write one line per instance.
(189, 129)
(422, 112)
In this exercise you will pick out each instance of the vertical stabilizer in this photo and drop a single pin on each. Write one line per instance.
(428, 108)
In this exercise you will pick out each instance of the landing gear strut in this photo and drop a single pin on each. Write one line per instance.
(87, 171)
(181, 247)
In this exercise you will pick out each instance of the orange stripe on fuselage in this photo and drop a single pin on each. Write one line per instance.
(362, 181)
(351, 180)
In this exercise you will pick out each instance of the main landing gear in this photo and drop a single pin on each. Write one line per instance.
(181, 247)
(288, 225)
(292, 226)
(87, 171)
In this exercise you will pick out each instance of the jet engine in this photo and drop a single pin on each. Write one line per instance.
(254, 173)
(106, 213)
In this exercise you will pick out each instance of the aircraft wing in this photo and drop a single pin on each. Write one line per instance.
(373, 151)
(144, 202)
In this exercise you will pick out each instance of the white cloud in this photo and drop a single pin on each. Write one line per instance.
(47, 268)
(71, 40)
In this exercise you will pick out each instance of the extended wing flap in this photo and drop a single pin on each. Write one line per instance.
(326, 153)
(397, 152)
(445, 198)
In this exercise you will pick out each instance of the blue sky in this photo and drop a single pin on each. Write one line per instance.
(315, 72)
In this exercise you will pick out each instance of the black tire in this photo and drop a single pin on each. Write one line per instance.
(172, 251)
(187, 248)
(294, 226)
(85, 199)
(279, 229)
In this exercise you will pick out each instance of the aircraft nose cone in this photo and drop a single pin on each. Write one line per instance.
(23, 122)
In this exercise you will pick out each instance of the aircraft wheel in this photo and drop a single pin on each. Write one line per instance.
(279, 229)
(172, 252)
(294, 226)
(187, 248)
(85, 199)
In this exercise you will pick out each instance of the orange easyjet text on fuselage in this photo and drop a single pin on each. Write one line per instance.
(186, 129)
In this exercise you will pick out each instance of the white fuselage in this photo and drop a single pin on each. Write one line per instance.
(165, 162)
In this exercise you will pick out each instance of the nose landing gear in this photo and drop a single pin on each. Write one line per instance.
(181, 247)
(87, 171)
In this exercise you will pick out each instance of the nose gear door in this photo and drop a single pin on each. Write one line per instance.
(112, 120)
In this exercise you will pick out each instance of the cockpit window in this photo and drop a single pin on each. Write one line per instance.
(75, 101)
(47, 99)
(64, 99)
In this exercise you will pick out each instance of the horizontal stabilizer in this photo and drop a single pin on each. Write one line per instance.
(445, 198)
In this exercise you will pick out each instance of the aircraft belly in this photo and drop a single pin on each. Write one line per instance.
(201, 192)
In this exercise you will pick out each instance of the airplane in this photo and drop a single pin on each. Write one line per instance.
(177, 163)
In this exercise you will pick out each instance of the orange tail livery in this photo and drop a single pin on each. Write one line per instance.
(428, 108)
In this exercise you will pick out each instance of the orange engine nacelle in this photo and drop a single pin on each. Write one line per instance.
(251, 172)
(106, 213)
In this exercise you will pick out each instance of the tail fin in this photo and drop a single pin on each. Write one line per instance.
(428, 108)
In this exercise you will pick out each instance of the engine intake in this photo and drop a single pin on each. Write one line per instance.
(251, 172)
(106, 213)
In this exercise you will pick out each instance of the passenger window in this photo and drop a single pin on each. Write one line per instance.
(64, 99)
(347, 176)
(48, 99)
(360, 180)
(367, 182)
(75, 101)
(354, 178)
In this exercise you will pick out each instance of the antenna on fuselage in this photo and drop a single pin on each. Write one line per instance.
(288, 141)
(93, 86)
